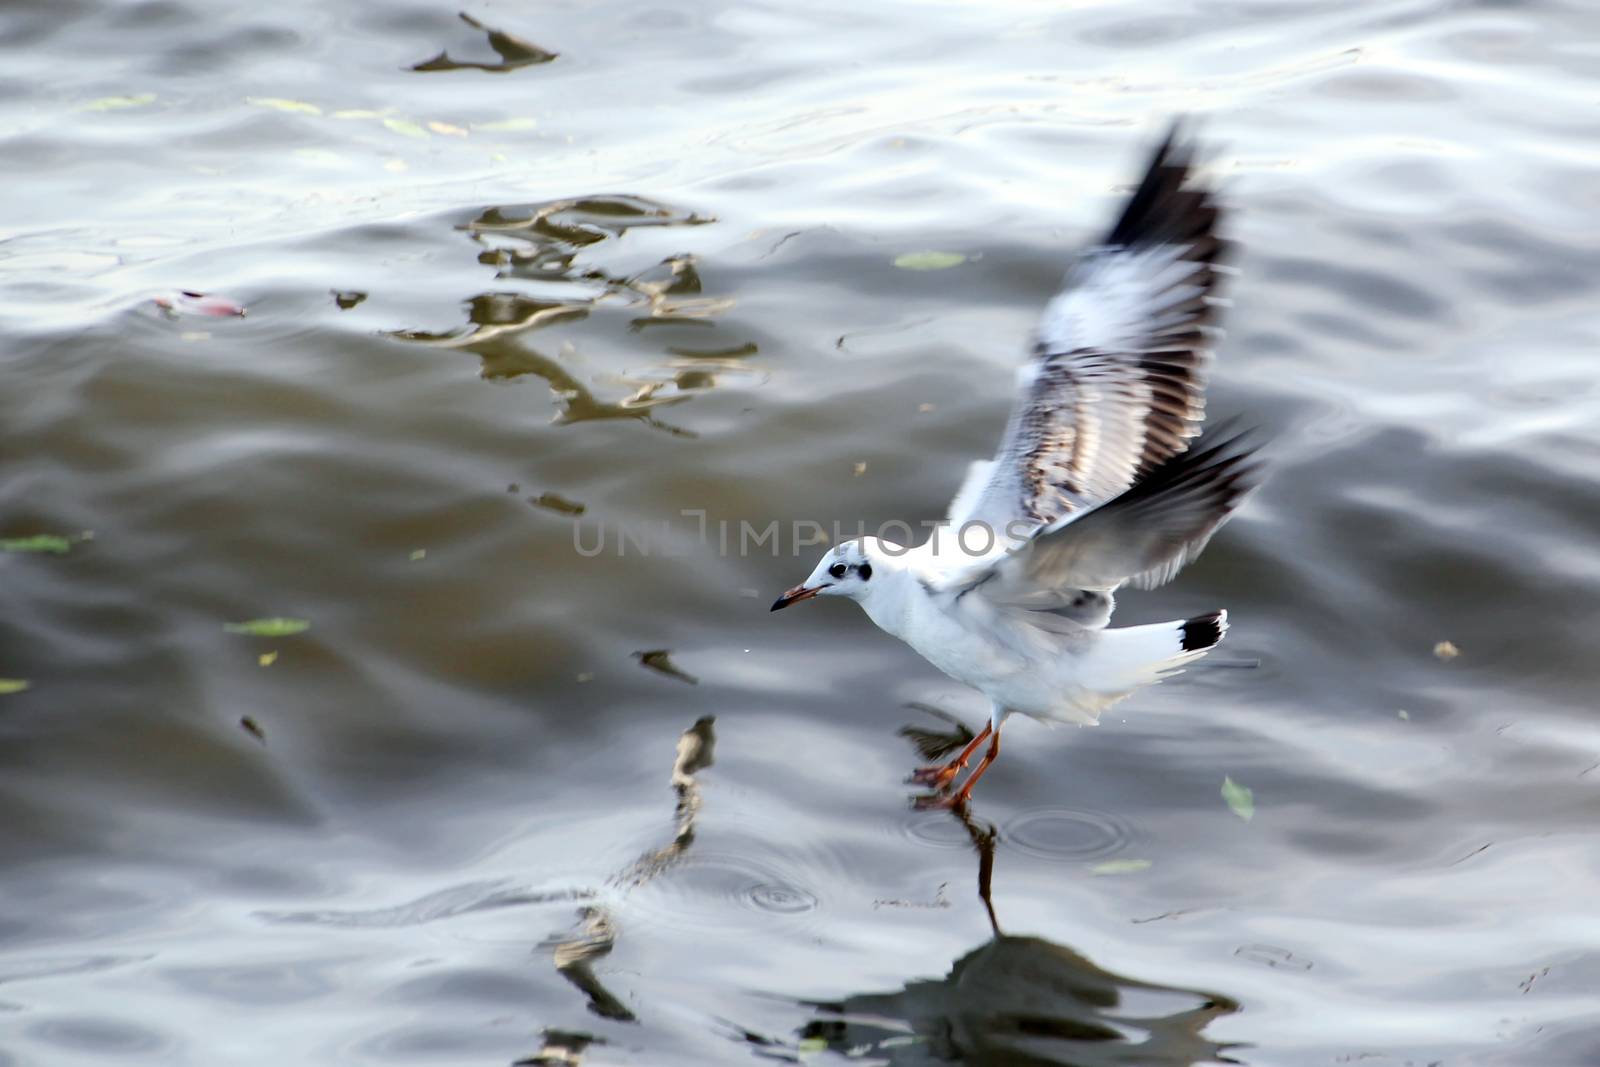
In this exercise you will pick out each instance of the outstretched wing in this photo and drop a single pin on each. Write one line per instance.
(1116, 383)
(1143, 536)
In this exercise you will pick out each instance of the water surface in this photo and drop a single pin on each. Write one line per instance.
(507, 801)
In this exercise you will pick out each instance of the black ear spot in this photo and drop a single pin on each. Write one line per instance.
(865, 570)
(837, 570)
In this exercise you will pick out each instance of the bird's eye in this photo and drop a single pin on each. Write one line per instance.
(837, 570)
(865, 570)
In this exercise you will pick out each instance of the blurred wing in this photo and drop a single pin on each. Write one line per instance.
(1143, 537)
(1116, 383)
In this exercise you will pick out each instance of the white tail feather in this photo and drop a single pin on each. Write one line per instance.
(1129, 658)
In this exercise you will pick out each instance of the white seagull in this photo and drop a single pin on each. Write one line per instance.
(1094, 487)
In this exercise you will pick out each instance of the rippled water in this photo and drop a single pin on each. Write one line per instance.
(507, 801)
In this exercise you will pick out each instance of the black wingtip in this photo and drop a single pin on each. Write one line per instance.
(1204, 631)
(1167, 207)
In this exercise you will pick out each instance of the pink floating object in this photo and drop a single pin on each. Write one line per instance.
(189, 302)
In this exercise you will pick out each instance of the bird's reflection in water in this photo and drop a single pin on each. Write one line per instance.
(1020, 1000)
(596, 932)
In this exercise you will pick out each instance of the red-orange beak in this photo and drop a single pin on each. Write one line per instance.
(794, 596)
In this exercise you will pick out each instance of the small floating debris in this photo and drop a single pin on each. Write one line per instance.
(1273, 956)
(280, 103)
(859, 469)
(1241, 800)
(1120, 867)
(512, 125)
(13, 685)
(418, 555)
(929, 260)
(267, 659)
(347, 298)
(1445, 651)
(253, 728)
(406, 128)
(557, 503)
(54, 544)
(660, 660)
(119, 103)
(939, 901)
(276, 626)
(193, 302)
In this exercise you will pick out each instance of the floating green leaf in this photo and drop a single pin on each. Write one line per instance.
(406, 127)
(929, 260)
(37, 543)
(13, 685)
(273, 627)
(117, 103)
(278, 103)
(418, 554)
(1240, 799)
(1120, 867)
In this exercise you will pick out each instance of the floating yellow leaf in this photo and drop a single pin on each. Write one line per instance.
(279, 103)
(406, 128)
(117, 103)
(267, 659)
(929, 260)
(1120, 867)
(273, 627)
(13, 685)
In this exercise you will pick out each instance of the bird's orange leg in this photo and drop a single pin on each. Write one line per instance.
(941, 777)
(988, 758)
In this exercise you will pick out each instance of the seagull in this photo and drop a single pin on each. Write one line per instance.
(1101, 481)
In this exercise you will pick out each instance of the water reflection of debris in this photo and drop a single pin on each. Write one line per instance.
(562, 1048)
(660, 661)
(537, 250)
(574, 955)
(514, 52)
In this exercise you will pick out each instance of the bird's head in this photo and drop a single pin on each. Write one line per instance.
(848, 569)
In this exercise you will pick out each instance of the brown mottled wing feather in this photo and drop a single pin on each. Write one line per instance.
(1141, 537)
(1117, 382)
